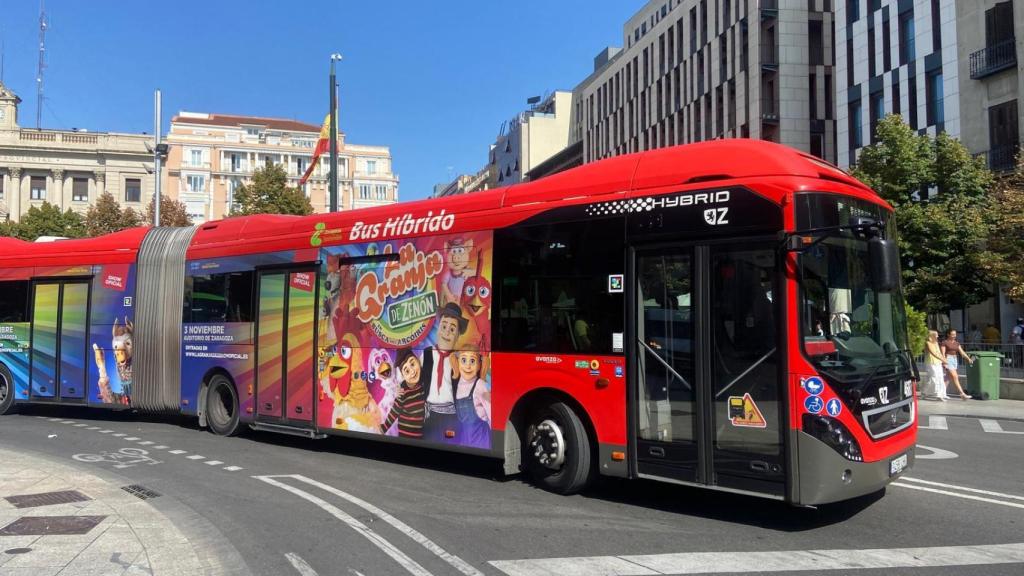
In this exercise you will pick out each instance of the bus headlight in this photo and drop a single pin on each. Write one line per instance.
(833, 433)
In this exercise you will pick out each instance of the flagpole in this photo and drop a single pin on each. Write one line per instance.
(333, 183)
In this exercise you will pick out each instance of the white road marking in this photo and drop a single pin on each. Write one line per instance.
(80, 425)
(131, 438)
(783, 561)
(119, 434)
(300, 564)
(67, 421)
(146, 443)
(178, 452)
(994, 427)
(233, 468)
(964, 488)
(195, 457)
(93, 428)
(160, 447)
(376, 539)
(51, 419)
(958, 495)
(935, 423)
(212, 462)
(936, 453)
(458, 563)
(105, 431)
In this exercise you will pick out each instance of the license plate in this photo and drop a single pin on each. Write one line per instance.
(897, 465)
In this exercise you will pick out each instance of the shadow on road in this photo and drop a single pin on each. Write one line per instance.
(663, 497)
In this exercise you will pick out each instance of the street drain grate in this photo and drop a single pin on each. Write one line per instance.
(46, 499)
(51, 525)
(140, 491)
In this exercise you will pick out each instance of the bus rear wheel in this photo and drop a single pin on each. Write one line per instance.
(6, 390)
(222, 406)
(557, 449)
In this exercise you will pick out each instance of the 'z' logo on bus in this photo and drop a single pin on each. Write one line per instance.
(716, 216)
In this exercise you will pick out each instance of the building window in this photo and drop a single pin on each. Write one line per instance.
(236, 163)
(371, 166)
(907, 50)
(196, 157)
(877, 111)
(912, 101)
(828, 96)
(871, 52)
(37, 190)
(817, 44)
(813, 94)
(886, 45)
(852, 11)
(267, 162)
(364, 191)
(195, 183)
(895, 95)
(132, 190)
(80, 190)
(1003, 139)
(856, 137)
(300, 166)
(382, 192)
(934, 101)
(1, 187)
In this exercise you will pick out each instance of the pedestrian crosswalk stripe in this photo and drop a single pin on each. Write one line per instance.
(935, 423)
(993, 427)
(781, 561)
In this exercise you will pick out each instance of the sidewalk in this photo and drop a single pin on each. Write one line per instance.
(993, 409)
(56, 519)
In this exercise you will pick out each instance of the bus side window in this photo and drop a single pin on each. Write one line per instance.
(220, 297)
(14, 304)
(552, 287)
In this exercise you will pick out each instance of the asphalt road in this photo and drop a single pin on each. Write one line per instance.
(338, 506)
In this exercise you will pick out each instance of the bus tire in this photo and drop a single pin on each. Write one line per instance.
(6, 391)
(557, 449)
(222, 406)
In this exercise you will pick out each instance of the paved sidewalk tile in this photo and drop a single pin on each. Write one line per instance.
(131, 537)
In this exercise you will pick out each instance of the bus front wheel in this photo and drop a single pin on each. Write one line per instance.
(557, 449)
(6, 390)
(222, 406)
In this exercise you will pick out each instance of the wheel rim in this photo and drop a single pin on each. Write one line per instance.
(547, 444)
(4, 388)
(223, 406)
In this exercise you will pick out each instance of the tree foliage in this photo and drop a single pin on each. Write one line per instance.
(46, 220)
(106, 216)
(172, 213)
(268, 193)
(917, 329)
(1009, 225)
(944, 211)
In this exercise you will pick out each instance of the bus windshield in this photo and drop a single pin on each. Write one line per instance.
(850, 331)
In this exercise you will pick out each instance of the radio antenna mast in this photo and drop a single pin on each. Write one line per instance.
(42, 64)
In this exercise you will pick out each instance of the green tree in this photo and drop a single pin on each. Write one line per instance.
(172, 213)
(47, 220)
(917, 329)
(1008, 239)
(944, 212)
(268, 193)
(106, 216)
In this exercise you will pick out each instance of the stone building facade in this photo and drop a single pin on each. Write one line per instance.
(69, 168)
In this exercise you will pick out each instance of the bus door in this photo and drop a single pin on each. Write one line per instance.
(707, 374)
(285, 344)
(60, 312)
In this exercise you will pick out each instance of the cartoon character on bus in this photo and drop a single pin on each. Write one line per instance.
(476, 300)
(459, 252)
(472, 400)
(409, 410)
(354, 407)
(384, 388)
(121, 343)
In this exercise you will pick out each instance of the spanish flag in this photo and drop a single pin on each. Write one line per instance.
(321, 146)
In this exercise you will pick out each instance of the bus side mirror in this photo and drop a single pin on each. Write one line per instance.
(885, 264)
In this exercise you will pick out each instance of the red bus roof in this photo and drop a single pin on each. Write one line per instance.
(703, 164)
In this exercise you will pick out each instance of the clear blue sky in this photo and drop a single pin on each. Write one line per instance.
(434, 80)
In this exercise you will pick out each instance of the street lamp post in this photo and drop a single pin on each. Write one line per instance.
(157, 160)
(333, 183)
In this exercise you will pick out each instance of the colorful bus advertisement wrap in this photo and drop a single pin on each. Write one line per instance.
(404, 339)
(112, 332)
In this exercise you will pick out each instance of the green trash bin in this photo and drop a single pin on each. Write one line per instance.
(983, 375)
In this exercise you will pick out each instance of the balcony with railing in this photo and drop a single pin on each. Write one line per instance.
(995, 58)
(770, 110)
(769, 56)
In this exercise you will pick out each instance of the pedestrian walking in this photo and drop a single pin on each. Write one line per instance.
(952, 350)
(991, 334)
(974, 336)
(933, 361)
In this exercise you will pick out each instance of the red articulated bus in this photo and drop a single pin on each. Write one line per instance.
(725, 314)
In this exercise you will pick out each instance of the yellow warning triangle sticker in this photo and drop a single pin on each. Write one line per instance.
(743, 412)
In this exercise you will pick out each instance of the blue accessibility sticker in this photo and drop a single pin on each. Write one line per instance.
(619, 371)
(834, 407)
(813, 404)
(812, 384)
